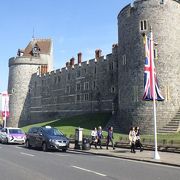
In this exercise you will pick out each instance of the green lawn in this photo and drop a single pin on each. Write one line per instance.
(69, 124)
(89, 121)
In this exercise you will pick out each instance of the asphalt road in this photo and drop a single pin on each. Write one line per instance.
(19, 163)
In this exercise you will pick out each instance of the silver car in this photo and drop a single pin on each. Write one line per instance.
(12, 135)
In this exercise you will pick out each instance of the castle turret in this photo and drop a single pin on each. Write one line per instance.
(133, 22)
(35, 58)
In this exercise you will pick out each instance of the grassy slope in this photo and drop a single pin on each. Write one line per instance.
(69, 124)
(89, 121)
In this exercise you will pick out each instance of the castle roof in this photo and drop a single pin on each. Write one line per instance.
(44, 46)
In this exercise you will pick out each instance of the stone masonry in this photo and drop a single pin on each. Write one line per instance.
(111, 83)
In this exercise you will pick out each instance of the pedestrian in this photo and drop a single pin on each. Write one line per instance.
(99, 136)
(94, 137)
(110, 137)
(138, 139)
(132, 139)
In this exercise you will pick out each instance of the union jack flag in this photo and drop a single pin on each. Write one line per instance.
(150, 78)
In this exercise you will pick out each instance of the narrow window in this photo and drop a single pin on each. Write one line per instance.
(112, 89)
(111, 66)
(86, 97)
(155, 54)
(143, 25)
(78, 97)
(94, 84)
(124, 59)
(167, 93)
(59, 79)
(78, 87)
(68, 89)
(86, 86)
(78, 74)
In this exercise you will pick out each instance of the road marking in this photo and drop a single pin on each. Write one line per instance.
(61, 155)
(87, 170)
(27, 154)
(18, 147)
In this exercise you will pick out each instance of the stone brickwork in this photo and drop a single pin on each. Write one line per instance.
(21, 69)
(113, 83)
(90, 86)
(164, 18)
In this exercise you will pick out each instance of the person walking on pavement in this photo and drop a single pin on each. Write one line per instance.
(138, 139)
(99, 136)
(94, 137)
(110, 137)
(132, 139)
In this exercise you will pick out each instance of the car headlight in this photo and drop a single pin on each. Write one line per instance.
(52, 140)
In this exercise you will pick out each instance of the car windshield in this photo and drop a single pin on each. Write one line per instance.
(53, 132)
(15, 131)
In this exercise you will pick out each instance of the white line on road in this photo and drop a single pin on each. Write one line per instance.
(27, 154)
(61, 155)
(87, 170)
(18, 147)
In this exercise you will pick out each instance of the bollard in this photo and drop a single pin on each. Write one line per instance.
(78, 138)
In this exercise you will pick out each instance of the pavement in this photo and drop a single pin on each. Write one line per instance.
(166, 158)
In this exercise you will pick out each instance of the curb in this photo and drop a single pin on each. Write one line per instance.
(122, 157)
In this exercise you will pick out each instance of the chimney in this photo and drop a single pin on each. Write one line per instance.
(98, 53)
(79, 58)
(67, 65)
(72, 62)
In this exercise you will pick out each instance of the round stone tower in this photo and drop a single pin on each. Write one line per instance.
(37, 54)
(133, 21)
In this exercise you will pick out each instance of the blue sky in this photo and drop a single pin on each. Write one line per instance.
(74, 26)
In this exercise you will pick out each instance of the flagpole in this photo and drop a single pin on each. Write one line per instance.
(156, 154)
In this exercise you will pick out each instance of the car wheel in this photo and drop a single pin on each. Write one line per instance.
(44, 147)
(64, 150)
(27, 144)
(6, 141)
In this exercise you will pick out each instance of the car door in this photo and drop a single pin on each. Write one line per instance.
(32, 136)
(39, 137)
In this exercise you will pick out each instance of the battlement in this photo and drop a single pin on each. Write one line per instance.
(25, 60)
(72, 66)
(127, 10)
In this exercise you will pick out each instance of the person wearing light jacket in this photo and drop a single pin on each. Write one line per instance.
(132, 139)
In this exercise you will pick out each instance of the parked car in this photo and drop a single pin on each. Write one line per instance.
(46, 138)
(12, 135)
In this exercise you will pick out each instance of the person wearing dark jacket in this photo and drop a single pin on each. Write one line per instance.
(99, 136)
(110, 137)
(138, 139)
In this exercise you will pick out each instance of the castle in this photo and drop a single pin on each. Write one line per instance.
(111, 83)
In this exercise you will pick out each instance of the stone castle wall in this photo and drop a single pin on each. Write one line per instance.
(164, 19)
(87, 87)
(114, 83)
(20, 75)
